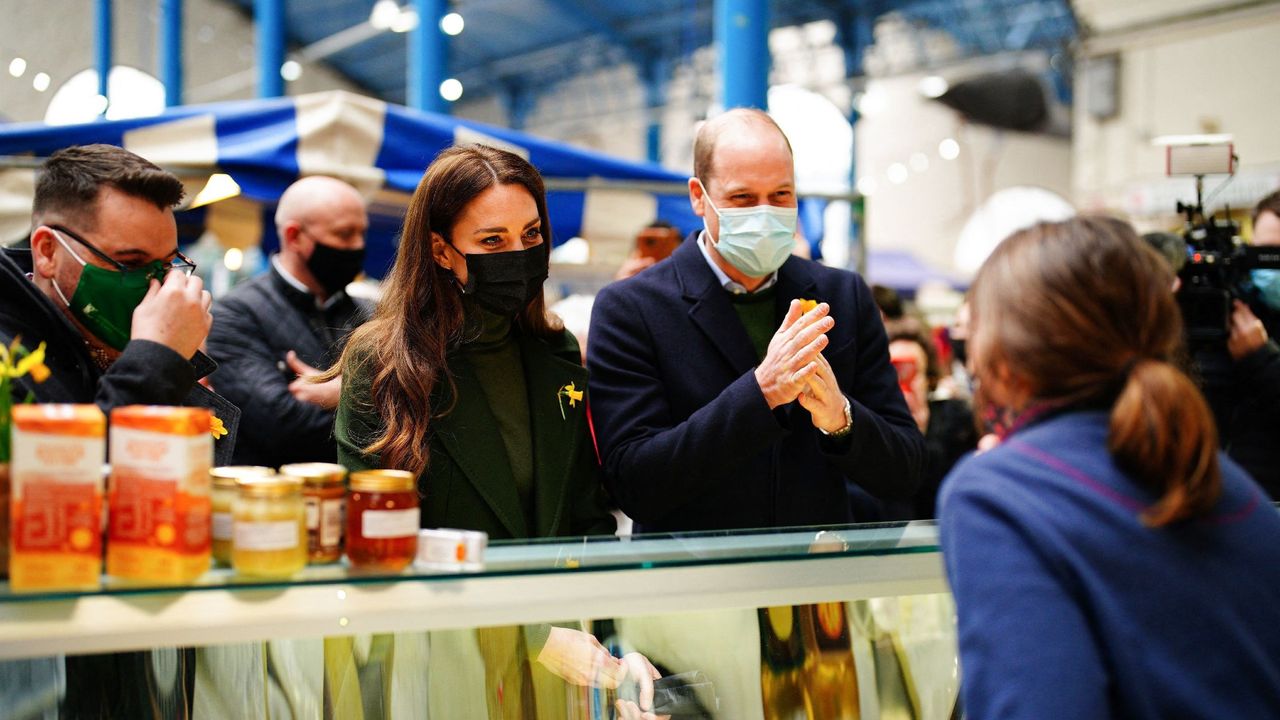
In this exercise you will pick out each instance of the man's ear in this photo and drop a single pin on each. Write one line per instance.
(289, 235)
(44, 244)
(697, 195)
(440, 252)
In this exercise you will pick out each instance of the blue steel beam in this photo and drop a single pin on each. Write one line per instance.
(102, 46)
(741, 29)
(428, 58)
(170, 60)
(268, 18)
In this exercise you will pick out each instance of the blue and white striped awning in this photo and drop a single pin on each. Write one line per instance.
(267, 144)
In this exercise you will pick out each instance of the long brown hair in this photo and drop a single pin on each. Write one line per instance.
(1083, 311)
(404, 348)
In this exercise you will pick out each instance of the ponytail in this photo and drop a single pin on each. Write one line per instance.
(1162, 433)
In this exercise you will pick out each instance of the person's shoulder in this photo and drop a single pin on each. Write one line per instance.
(247, 295)
(563, 344)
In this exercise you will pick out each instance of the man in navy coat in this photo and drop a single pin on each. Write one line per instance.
(721, 397)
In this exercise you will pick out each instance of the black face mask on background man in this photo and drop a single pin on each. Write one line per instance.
(504, 282)
(334, 268)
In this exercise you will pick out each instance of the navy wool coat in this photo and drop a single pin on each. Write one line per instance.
(687, 439)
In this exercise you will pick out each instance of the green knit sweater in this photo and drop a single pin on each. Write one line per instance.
(495, 356)
(758, 312)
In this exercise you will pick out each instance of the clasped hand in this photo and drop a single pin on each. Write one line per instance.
(794, 368)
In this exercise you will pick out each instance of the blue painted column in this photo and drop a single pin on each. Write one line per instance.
(856, 33)
(428, 58)
(654, 70)
(170, 60)
(268, 18)
(102, 45)
(520, 100)
(742, 35)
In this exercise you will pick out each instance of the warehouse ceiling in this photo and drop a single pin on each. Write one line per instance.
(514, 47)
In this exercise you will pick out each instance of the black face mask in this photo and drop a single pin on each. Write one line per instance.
(504, 282)
(333, 267)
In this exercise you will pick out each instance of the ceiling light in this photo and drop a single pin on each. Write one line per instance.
(949, 149)
(17, 66)
(291, 70)
(898, 173)
(384, 14)
(407, 20)
(233, 259)
(220, 186)
(452, 24)
(40, 82)
(933, 86)
(451, 89)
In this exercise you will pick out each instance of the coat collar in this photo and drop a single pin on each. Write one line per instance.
(469, 434)
(712, 311)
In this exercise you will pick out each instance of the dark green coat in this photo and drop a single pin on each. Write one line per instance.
(468, 482)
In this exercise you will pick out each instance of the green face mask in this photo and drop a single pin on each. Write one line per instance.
(104, 300)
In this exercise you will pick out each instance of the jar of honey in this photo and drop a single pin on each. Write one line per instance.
(221, 496)
(269, 527)
(382, 520)
(324, 494)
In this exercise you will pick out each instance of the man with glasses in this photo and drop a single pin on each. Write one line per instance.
(270, 334)
(104, 286)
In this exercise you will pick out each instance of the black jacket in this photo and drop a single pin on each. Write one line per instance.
(254, 327)
(1252, 421)
(689, 442)
(146, 373)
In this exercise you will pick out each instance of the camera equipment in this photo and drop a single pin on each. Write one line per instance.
(1218, 264)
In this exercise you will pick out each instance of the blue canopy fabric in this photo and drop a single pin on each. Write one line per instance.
(265, 145)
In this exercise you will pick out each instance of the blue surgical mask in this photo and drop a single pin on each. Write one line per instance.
(1268, 284)
(755, 240)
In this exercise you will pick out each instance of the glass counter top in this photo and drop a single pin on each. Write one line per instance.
(560, 555)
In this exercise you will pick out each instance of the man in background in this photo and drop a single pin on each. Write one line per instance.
(655, 242)
(272, 334)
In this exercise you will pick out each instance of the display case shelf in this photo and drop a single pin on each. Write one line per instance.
(535, 582)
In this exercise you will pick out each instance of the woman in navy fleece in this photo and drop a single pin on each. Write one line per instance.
(1106, 560)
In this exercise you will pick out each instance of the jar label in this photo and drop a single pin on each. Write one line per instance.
(222, 526)
(333, 515)
(389, 523)
(278, 535)
(313, 512)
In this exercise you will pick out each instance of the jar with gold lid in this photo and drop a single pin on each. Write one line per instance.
(222, 495)
(382, 520)
(324, 493)
(269, 527)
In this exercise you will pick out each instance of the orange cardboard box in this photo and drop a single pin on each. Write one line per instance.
(56, 512)
(160, 511)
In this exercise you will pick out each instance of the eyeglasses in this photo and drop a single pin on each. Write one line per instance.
(157, 269)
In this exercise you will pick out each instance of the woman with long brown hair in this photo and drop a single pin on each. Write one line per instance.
(462, 378)
(1106, 559)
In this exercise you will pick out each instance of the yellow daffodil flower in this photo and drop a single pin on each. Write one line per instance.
(572, 393)
(807, 305)
(33, 363)
(216, 428)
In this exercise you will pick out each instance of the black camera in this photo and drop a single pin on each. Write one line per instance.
(1217, 267)
(1217, 271)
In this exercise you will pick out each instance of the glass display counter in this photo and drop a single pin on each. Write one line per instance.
(835, 622)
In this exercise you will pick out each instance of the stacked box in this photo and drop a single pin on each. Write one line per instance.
(56, 508)
(159, 499)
